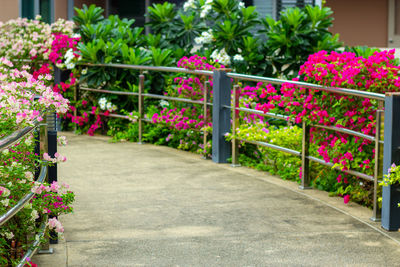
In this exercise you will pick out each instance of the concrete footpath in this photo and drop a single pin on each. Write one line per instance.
(143, 205)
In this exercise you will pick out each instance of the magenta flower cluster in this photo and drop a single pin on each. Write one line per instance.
(377, 73)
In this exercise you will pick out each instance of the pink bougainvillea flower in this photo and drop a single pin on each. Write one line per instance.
(346, 199)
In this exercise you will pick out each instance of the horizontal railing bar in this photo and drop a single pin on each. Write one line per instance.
(297, 153)
(151, 68)
(115, 115)
(186, 100)
(17, 135)
(329, 164)
(279, 116)
(261, 113)
(108, 91)
(123, 117)
(346, 131)
(337, 90)
(21, 203)
(283, 149)
(35, 246)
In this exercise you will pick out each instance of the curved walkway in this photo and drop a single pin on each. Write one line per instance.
(143, 205)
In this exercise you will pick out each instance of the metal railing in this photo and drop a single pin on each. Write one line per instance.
(233, 107)
(304, 153)
(6, 142)
(141, 95)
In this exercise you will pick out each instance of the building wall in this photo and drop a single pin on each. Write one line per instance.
(360, 22)
(9, 9)
(264, 8)
(61, 9)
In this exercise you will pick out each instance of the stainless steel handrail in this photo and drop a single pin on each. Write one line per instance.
(108, 91)
(287, 118)
(35, 246)
(358, 174)
(186, 100)
(21, 203)
(343, 91)
(261, 113)
(269, 145)
(346, 131)
(151, 68)
(17, 135)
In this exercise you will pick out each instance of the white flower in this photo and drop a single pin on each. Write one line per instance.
(102, 103)
(69, 55)
(34, 215)
(189, 4)
(164, 103)
(9, 235)
(5, 152)
(76, 35)
(70, 66)
(204, 38)
(5, 202)
(241, 5)
(84, 71)
(106, 105)
(238, 57)
(221, 56)
(204, 10)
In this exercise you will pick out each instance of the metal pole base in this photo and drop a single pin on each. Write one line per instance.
(140, 143)
(304, 187)
(236, 165)
(46, 251)
(375, 219)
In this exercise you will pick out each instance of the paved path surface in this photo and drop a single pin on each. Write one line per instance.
(143, 205)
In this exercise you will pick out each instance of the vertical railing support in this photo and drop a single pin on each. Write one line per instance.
(235, 124)
(376, 216)
(391, 154)
(305, 162)
(141, 109)
(43, 136)
(52, 150)
(205, 117)
(76, 97)
(221, 149)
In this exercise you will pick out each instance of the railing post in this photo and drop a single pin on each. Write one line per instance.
(376, 216)
(45, 247)
(52, 150)
(76, 97)
(391, 154)
(305, 162)
(61, 76)
(205, 117)
(235, 124)
(221, 149)
(141, 109)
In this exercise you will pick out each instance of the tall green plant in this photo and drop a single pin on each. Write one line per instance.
(299, 33)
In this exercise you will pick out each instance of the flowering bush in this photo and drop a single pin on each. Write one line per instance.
(22, 39)
(393, 176)
(18, 109)
(377, 73)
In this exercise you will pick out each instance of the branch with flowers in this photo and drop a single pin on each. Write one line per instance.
(18, 109)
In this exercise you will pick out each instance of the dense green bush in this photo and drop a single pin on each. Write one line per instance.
(237, 37)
